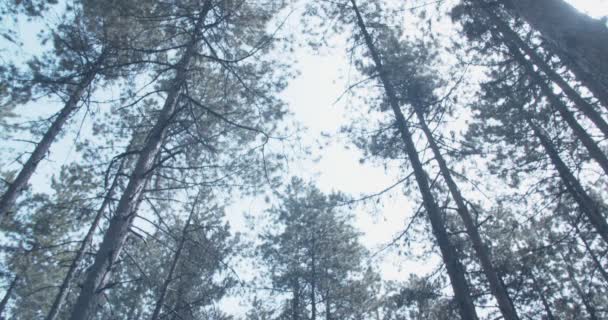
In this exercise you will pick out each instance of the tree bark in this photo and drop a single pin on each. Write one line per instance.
(595, 259)
(576, 190)
(590, 309)
(594, 150)
(163, 291)
(455, 269)
(543, 299)
(327, 306)
(180, 306)
(583, 105)
(42, 148)
(7, 295)
(313, 276)
(582, 39)
(69, 277)
(599, 90)
(136, 309)
(296, 300)
(499, 291)
(115, 236)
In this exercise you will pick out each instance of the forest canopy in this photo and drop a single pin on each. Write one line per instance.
(304, 160)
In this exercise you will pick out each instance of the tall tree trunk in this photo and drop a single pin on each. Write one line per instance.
(69, 277)
(497, 287)
(576, 190)
(543, 299)
(583, 105)
(163, 291)
(455, 269)
(15, 188)
(590, 309)
(594, 150)
(595, 259)
(7, 295)
(179, 307)
(599, 90)
(313, 276)
(583, 39)
(114, 238)
(296, 300)
(326, 295)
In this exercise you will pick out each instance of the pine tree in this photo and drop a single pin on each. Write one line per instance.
(581, 41)
(316, 256)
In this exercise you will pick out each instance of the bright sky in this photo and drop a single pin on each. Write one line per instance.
(594, 8)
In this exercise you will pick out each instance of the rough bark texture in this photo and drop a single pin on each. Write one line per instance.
(42, 148)
(69, 277)
(576, 190)
(126, 209)
(582, 39)
(499, 291)
(455, 269)
(583, 105)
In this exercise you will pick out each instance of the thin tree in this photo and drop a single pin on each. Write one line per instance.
(481, 250)
(8, 294)
(582, 39)
(576, 190)
(454, 267)
(592, 147)
(511, 36)
(176, 258)
(64, 288)
(43, 146)
(109, 249)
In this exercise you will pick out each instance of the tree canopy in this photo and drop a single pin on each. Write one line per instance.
(303, 160)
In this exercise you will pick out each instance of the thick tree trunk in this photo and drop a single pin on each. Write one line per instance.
(115, 236)
(69, 277)
(583, 39)
(455, 269)
(42, 148)
(584, 201)
(594, 150)
(481, 250)
(7, 295)
(583, 105)
(163, 291)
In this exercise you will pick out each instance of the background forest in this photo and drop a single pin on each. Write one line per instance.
(303, 160)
